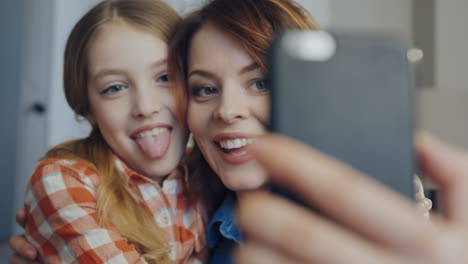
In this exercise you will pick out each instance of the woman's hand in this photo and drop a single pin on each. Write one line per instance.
(373, 224)
(423, 204)
(23, 251)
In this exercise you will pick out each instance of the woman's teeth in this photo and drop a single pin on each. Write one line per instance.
(235, 143)
(152, 132)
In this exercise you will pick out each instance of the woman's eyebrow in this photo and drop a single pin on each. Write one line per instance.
(202, 73)
(251, 67)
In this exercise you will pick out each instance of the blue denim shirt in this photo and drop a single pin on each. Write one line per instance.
(222, 232)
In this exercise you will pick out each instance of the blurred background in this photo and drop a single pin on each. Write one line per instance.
(35, 116)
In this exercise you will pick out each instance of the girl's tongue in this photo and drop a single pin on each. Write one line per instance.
(154, 146)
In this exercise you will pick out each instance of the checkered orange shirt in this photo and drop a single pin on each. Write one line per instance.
(63, 221)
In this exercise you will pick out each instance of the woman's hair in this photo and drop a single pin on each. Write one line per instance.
(117, 207)
(254, 23)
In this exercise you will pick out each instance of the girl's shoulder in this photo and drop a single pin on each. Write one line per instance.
(80, 170)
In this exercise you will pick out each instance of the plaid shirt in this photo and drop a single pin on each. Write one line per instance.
(63, 221)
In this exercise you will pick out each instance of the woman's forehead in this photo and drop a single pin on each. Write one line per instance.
(213, 47)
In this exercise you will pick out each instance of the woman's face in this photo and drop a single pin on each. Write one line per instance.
(131, 101)
(228, 106)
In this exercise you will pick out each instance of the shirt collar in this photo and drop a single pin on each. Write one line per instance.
(223, 224)
(180, 172)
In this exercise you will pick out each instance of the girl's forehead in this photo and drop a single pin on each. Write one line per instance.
(119, 45)
(123, 28)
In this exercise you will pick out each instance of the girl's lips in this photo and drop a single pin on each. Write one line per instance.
(142, 129)
(153, 140)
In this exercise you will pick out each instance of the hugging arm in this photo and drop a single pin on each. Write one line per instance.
(63, 221)
(23, 251)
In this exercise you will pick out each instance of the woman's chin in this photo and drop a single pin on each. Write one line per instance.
(240, 182)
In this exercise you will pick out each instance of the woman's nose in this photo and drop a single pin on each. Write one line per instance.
(233, 106)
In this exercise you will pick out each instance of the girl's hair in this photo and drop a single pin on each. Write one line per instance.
(254, 23)
(118, 209)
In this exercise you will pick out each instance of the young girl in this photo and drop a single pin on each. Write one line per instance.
(119, 195)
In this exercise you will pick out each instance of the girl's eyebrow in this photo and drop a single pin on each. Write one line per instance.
(105, 72)
(159, 63)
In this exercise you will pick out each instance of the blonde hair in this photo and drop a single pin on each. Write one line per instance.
(117, 208)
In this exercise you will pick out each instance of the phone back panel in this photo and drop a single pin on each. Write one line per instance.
(357, 106)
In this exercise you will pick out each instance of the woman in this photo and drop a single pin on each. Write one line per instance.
(219, 54)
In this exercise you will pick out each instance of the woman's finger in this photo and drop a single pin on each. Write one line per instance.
(21, 217)
(353, 199)
(17, 259)
(424, 206)
(22, 247)
(296, 231)
(448, 168)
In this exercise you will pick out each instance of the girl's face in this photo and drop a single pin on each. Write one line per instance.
(228, 106)
(131, 101)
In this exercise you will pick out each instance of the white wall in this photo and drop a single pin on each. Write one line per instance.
(443, 113)
(444, 107)
(393, 16)
(10, 32)
(185, 6)
(34, 88)
(62, 123)
(451, 45)
(441, 109)
(319, 9)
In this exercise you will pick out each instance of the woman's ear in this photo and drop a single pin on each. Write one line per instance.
(91, 119)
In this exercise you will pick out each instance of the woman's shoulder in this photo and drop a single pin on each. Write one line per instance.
(81, 170)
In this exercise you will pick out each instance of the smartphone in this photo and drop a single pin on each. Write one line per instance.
(350, 96)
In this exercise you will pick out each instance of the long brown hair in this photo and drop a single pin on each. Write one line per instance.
(117, 207)
(254, 23)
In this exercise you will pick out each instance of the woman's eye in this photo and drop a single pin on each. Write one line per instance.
(261, 85)
(163, 78)
(204, 91)
(114, 89)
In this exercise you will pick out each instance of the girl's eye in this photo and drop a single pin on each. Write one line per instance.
(114, 89)
(163, 78)
(204, 91)
(261, 85)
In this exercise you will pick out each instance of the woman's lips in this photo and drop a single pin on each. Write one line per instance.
(233, 148)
